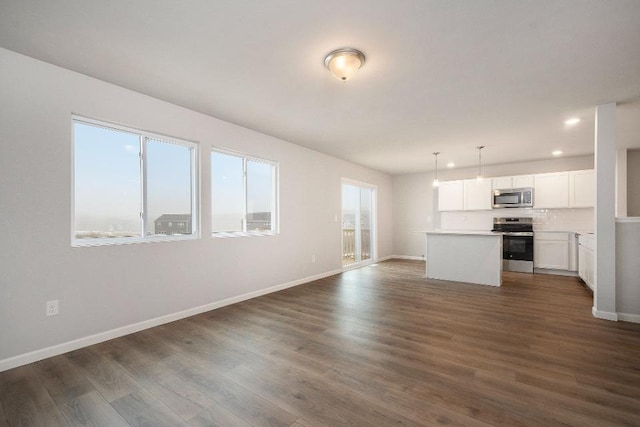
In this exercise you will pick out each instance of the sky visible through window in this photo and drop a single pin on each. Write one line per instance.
(227, 192)
(108, 194)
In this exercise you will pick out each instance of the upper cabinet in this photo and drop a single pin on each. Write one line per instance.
(507, 182)
(582, 189)
(551, 190)
(451, 196)
(575, 189)
(523, 181)
(477, 195)
(502, 182)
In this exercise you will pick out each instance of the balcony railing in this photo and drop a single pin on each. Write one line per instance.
(349, 245)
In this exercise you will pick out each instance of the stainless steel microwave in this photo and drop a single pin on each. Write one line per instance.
(513, 198)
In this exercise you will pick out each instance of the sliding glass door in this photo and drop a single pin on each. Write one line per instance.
(357, 223)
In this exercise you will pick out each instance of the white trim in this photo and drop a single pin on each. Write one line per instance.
(143, 139)
(606, 315)
(275, 194)
(410, 257)
(34, 356)
(626, 317)
(628, 219)
(556, 272)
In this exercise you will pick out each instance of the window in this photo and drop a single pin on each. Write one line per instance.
(130, 185)
(243, 195)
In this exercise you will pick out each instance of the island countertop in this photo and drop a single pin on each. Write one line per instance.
(465, 232)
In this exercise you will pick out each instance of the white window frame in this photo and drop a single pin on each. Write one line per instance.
(275, 203)
(143, 136)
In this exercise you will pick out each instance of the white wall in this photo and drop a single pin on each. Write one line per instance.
(415, 207)
(628, 269)
(633, 183)
(102, 288)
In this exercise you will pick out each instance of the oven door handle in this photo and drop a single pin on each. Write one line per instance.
(518, 234)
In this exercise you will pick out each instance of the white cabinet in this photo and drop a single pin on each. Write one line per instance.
(507, 182)
(522, 181)
(551, 250)
(586, 260)
(573, 252)
(451, 196)
(501, 183)
(551, 190)
(477, 195)
(581, 189)
(556, 190)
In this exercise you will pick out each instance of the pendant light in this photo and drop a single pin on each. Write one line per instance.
(436, 183)
(479, 177)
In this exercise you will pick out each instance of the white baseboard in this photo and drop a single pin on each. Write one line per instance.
(606, 315)
(556, 272)
(409, 257)
(34, 356)
(626, 317)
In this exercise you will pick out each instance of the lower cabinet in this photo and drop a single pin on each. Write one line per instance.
(586, 261)
(555, 251)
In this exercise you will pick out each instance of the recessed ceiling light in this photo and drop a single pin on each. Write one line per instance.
(557, 152)
(572, 121)
(451, 164)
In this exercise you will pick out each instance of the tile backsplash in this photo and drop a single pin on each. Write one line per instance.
(578, 220)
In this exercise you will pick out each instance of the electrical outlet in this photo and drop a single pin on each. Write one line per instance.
(53, 308)
(313, 259)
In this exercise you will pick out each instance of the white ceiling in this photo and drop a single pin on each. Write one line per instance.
(445, 75)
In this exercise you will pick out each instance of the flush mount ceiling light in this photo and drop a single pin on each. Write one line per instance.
(436, 183)
(451, 165)
(572, 121)
(343, 63)
(479, 177)
(557, 153)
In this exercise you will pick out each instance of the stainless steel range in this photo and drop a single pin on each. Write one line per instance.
(517, 243)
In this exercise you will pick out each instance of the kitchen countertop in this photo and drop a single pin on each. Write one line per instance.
(465, 232)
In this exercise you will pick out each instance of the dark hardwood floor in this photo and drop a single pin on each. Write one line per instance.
(377, 346)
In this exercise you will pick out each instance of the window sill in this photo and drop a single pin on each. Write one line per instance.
(80, 243)
(233, 234)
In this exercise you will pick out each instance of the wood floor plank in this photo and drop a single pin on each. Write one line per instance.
(91, 409)
(26, 401)
(61, 378)
(217, 416)
(380, 345)
(109, 379)
(3, 418)
(142, 409)
(229, 394)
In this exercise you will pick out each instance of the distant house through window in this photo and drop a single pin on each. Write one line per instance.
(131, 185)
(243, 195)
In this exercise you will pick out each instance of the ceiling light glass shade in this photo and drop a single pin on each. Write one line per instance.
(343, 63)
(436, 183)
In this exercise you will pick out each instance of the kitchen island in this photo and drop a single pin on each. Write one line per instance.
(464, 256)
